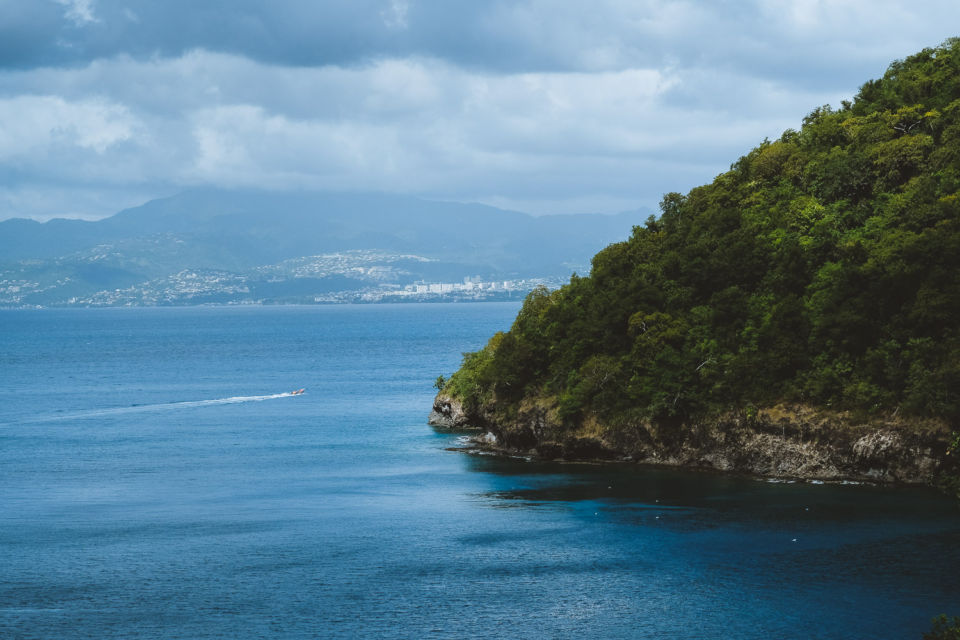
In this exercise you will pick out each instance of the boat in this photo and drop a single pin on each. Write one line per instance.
(297, 392)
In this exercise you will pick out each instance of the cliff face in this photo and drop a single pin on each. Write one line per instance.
(448, 413)
(777, 442)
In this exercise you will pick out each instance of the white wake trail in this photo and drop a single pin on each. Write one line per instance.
(146, 408)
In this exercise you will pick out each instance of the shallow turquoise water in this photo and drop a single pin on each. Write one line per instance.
(148, 489)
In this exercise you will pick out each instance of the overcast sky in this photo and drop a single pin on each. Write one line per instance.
(544, 106)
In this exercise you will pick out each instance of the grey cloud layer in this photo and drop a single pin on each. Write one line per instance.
(413, 125)
(543, 106)
(796, 38)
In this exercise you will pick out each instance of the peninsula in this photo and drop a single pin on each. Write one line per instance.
(796, 318)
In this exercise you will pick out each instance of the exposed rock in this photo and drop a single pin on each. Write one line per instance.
(448, 413)
(488, 439)
(800, 442)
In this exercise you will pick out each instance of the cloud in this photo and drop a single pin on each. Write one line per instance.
(44, 123)
(395, 14)
(411, 125)
(782, 38)
(79, 12)
(541, 105)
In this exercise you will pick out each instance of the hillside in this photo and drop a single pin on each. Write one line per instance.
(241, 243)
(818, 277)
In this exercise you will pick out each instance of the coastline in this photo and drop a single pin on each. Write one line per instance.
(780, 443)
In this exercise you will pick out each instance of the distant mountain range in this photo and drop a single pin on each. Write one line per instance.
(239, 246)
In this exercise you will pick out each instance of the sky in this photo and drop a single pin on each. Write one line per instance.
(542, 106)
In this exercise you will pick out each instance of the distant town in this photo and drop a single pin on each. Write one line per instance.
(469, 289)
(190, 287)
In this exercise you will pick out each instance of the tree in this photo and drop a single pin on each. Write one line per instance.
(820, 268)
(944, 628)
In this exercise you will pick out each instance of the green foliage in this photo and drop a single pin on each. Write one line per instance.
(821, 267)
(440, 383)
(944, 628)
(473, 382)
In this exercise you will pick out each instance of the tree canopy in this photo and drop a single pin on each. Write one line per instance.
(823, 267)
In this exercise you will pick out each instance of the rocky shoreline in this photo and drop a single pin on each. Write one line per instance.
(787, 442)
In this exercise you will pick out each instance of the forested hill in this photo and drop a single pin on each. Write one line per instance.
(822, 268)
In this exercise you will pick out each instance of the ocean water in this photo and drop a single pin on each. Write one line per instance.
(158, 481)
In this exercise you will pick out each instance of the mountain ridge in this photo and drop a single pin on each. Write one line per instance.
(242, 230)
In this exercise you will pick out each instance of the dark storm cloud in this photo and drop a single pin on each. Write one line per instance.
(815, 43)
(285, 32)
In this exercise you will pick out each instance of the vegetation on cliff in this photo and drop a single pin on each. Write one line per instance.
(822, 268)
(944, 628)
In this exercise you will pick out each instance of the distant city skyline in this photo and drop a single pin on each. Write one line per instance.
(536, 106)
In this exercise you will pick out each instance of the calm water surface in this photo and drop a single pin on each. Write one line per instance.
(152, 486)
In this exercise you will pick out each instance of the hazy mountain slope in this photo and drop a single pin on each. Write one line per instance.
(240, 230)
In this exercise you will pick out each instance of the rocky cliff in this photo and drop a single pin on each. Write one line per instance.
(795, 441)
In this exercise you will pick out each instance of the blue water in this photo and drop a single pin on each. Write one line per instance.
(155, 483)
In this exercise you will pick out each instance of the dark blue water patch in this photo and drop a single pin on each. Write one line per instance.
(136, 503)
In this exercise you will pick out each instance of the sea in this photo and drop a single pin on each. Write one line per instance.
(159, 480)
